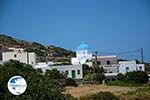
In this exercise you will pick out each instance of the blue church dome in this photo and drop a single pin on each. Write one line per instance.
(83, 46)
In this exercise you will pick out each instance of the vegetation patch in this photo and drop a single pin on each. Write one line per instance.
(124, 83)
(142, 93)
(40, 86)
(100, 96)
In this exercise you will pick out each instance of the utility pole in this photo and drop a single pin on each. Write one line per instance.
(142, 55)
(0, 52)
(96, 58)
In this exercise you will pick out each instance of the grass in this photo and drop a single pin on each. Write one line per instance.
(124, 83)
(139, 92)
(86, 89)
(142, 93)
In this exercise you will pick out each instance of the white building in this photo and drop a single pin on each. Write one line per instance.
(44, 64)
(109, 63)
(73, 71)
(129, 66)
(20, 55)
(83, 53)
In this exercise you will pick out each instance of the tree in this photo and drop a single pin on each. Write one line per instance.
(54, 74)
(39, 86)
(86, 69)
(94, 78)
(97, 69)
(98, 77)
(93, 74)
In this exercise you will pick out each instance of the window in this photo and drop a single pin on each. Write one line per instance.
(93, 62)
(15, 55)
(66, 72)
(140, 68)
(73, 74)
(32, 62)
(78, 71)
(108, 62)
(99, 63)
(19, 51)
(127, 69)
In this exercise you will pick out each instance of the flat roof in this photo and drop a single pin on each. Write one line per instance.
(109, 56)
(111, 74)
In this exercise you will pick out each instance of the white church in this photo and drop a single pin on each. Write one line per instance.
(83, 53)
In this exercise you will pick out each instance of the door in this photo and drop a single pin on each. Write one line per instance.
(73, 74)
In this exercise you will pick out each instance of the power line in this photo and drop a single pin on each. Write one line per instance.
(126, 52)
(119, 53)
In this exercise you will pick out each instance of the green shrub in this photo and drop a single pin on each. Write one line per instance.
(87, 77)
(100, 96)
(124, 83)
(70, 82)
(86, 70)
(121, 77)
(69, 97)
(54, 74)
(96, 77)
(137, 76)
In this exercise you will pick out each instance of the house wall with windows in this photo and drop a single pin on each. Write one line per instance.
(72, 71)
(106, 60)
(114, 69)
(20, 55)
(128, 66)
(140, 67)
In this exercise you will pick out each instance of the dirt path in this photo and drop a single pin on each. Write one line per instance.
(91, 89)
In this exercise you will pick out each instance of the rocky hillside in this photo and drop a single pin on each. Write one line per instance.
(44, 53)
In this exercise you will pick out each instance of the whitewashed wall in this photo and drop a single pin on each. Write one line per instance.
(20, 56)
(69, 68)
(124, 64)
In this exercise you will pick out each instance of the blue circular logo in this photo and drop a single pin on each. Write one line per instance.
(17, 85)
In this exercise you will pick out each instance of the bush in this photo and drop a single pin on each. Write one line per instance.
(54, 74)
(121, 77)
(137, 76)
(70, 82)
(100, 96)
(96, 77)
(69, 97)
(39, 70)
(124, 83)
(87, 77)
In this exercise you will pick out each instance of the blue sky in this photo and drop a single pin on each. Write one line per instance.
(106, 25)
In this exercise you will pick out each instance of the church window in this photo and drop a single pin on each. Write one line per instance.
(15, 55)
